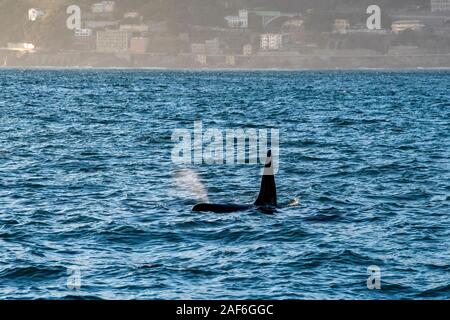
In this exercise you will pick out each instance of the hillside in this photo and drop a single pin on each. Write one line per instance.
(50, 31)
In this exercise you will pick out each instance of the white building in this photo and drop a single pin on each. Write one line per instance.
(113, 41)
(361, 28)
(403, 25)
(83, 32)
(201, 59)
(440, 5)
(35, 13)
(198, 48)
(271, 41)
(212, 47)
(239, 21)
(98, 24)
(247, 50)
(21, 46)
(134, 27)
(131, 15)
(294, 24)
(103, 7)
(341, 25)
(209, 47)
(230, 60)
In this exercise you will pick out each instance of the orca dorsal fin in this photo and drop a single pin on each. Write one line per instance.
(268, 192)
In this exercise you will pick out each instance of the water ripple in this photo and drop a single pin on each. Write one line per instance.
(86, 183)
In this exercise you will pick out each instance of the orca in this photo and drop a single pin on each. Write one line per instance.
(266, 201)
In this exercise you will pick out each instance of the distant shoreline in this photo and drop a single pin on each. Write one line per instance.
(84, 60)
(212, 69)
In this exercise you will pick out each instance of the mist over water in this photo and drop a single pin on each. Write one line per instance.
(87, 181)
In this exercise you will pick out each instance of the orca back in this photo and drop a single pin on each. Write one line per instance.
(268, 191)
(266, 201)
(220, 208)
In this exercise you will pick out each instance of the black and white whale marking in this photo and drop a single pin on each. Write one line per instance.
(266, 201)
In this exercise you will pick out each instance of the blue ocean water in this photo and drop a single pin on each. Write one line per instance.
(87, 186)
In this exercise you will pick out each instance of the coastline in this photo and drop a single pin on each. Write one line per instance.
(93, 60)
(212, 69)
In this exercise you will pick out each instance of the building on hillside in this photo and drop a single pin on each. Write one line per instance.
(198, 48)
(209, 47)
(212, 47)
(101, 24)
(113, 41)
(341, 26)
(230, 61)
(294, 25)
(103, 7)
(35, 13)
(201, 59)
(403, 25)
(138, 44)
(271, 41)
(440, 5)
(83, 39)
(20, 46)
(361, 28)
(131, 15)
(239, 21)
(247, 50)
(86, 32)
(134, 27)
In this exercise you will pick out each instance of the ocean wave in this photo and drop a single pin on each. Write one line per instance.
(87, 174)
